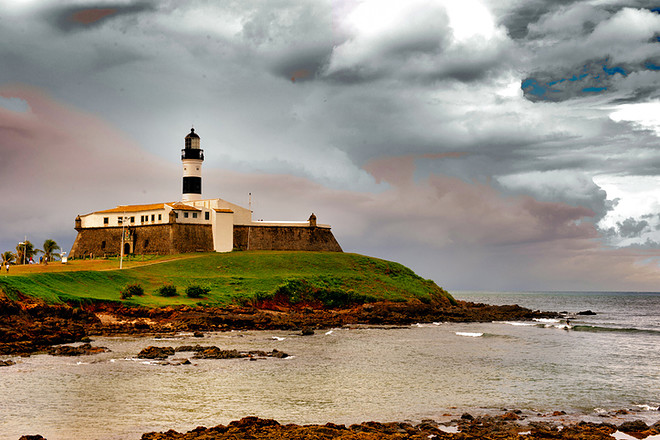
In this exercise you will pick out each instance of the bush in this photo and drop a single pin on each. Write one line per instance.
(197, 291)
(167, 290)
(131, 290)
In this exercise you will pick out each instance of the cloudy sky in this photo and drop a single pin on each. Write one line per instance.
(487, 144)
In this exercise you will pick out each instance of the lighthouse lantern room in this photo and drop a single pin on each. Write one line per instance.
(192, 157)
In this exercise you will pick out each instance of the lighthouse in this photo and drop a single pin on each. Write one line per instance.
(192, 157)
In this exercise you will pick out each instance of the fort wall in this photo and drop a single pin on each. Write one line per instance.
(170, 238)
(284, 238)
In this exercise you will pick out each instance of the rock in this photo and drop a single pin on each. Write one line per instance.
(278, 354)
(587, 313)
(307, 331)
(81, 350)
(467, 416)
(32, 437)
(511, 415)
(198, 335)
(633, 426)
(152, 352)
(217, 353)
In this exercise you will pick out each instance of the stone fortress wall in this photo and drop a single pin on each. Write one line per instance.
(284, 238)
(177, 238)
(169, 238)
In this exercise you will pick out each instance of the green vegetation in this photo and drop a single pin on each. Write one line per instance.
(168, 290)
(130, 290)
(331, 278)
(197, 291)
(49, 250)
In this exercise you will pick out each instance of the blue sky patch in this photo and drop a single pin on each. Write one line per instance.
(532, 87)
(14, 104)
(652, 66)
(594, 89)
(614, 70)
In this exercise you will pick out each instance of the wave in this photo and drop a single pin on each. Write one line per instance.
(547, 320)
(469, 334)
(596, 328)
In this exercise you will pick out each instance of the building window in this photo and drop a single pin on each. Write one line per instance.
(133, 219)
(194, 215)
(146, 243)
(176, 215)
(103, 244)
(120, 220)
(106, 220)
(160, 217)
(153, 217)
(185, 215)
(206, 215)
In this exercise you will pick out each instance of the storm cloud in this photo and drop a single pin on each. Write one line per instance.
(486, 144)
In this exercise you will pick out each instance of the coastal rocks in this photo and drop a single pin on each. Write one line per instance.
(307, 331)
(7, 363)
(207, 352)
(152, 352)
(32, 437)
(587, 313)
(256, 428)
(28, 325)
(81, 350)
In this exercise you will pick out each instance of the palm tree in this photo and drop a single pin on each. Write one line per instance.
(50, 250)
(24, 251)
(7, 257)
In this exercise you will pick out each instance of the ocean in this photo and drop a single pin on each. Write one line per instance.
(601, 365)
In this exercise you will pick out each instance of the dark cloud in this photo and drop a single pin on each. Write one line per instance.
(630, 227)
(73, 18)
(519, 18)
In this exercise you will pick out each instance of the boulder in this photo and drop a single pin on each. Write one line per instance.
(81, 350)
(633, 426)
(152, 352)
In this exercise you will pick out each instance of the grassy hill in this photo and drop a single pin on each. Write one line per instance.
(330, 277)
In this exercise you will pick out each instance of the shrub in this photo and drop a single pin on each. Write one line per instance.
(197, 291)
(131, 290)
(167, 290)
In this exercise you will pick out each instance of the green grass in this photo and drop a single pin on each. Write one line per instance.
(236, 277)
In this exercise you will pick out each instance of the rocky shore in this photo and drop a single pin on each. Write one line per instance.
(28, 325)
(509, 426)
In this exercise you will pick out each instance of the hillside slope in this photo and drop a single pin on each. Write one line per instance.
(237, 278)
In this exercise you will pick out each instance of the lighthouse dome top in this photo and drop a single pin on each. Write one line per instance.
(192, 134)
(192, 140)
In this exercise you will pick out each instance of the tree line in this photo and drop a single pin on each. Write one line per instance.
(25, 253)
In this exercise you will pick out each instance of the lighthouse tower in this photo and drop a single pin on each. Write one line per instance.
(192, 157)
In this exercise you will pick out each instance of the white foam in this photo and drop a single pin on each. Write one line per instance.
(523, 324)
(328, 332)
(547, 320)
(648, 407)
(469, 334)
(623, 436)
(277, 338)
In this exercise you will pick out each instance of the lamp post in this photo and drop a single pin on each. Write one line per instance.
(121, 250)
(24, 248)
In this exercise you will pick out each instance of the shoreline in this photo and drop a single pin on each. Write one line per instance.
(482, 423)
(29, 325)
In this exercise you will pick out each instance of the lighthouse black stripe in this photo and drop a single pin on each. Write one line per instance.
(192, 185)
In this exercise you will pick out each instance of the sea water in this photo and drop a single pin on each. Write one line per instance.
(600, 364)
